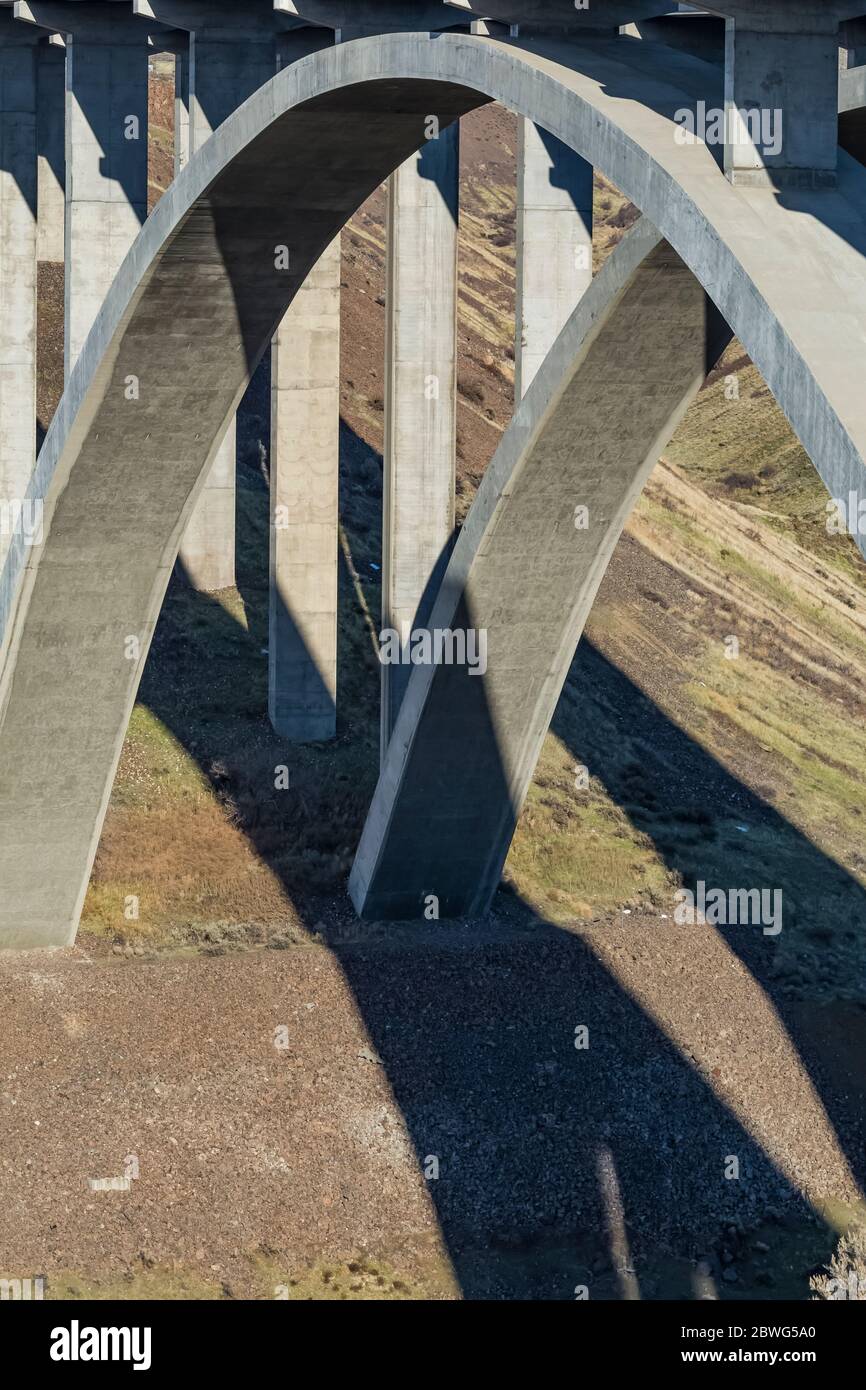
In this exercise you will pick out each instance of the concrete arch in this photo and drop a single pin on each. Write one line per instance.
(199, 297)
(611, 392)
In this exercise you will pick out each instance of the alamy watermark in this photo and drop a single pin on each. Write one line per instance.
(439, 646)
(730, 907)
(846, 515)
(22, 517)
(22, 1290)
(760, 127)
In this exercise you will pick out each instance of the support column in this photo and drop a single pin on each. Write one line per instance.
(304, 526)
(305, 481)
(224, 69)
(17, 270)
(106, 148)
(51, 165)
(554, 245)
(231, 55)
(106, 166)
(420, 396)
(420, 374)
(181, 107)
(781, 98)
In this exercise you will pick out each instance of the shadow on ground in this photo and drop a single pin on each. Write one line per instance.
(558, 1167)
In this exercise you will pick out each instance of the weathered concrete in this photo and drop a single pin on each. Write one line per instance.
(525, 573)
(106, 149)
(554, 245)
(199, 298)
(51, 162)
(18, 48)
(304, 522)
(420, 394)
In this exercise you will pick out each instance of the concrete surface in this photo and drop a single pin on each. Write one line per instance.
(232, 53)
(199, 298)
(304, 509)
(304, 465)
(106, 149)
(420, 394)
(525, 572)
(51, 165)
(554, 245)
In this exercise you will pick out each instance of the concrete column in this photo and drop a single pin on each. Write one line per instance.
(17, 270)
(106, 167)
(304, 472)
(105, 145)
(225, 67)
(51, 164)
(420, 395)
(305, 481)
(554, 245)
(781, 99)
(181, 108)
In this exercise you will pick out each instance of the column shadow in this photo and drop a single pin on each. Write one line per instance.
(543, 1152)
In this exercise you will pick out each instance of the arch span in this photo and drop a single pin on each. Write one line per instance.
(524, 572)
(200, 295)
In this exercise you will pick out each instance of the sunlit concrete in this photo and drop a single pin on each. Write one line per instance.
(420, 394)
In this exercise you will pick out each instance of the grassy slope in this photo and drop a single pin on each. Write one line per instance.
(746, 771)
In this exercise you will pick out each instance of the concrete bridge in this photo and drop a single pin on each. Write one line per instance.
(288, 115)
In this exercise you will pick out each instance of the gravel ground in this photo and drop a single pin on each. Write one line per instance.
(260, 1150)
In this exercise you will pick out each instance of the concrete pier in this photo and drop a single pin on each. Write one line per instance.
(51, 162)
(420, 395)
(420, 369)
(181, 108)
(304, 522)
(554, 245)
(231, 54)
(305, 486)
(18, 48)
(782, 71)
(106, 149)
